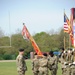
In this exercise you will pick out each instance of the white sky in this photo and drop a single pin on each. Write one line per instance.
(38, 15)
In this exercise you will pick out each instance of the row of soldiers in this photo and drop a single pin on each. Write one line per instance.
(42, 64)
(67, 61)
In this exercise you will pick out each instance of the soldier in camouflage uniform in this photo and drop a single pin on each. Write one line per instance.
(43, 65)
(52, 63)
(21, 64)
(63, 61)
(69, 62)
(73, 63)
(35, 64)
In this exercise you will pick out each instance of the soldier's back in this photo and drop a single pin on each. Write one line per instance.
(43, 62)
(35, 64)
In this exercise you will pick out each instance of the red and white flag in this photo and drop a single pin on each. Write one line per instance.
(25, 33)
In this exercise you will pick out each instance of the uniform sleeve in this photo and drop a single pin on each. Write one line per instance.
(20, 62)
(32, 64)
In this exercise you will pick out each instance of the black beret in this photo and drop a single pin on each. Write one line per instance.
(51, 52)
(62, 49)
(35, 53)
(45, 54)
(21, 49)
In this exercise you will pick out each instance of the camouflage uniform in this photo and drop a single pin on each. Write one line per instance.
(21, 65)
(69, 61)
(53, 64)
(35, 65)
(43, 66)
(63, 63)
(73, 64)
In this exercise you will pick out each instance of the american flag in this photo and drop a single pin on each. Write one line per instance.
(66, 29)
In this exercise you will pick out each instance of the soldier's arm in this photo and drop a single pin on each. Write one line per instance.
(32, 65)
(20, 63)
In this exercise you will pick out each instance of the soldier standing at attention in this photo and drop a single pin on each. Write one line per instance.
(62, 61)
(21, 64)
(43, 65)
(35, 64)
(52, 63)
(73, 63)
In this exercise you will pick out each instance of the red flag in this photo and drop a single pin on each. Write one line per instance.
(72, 20)
(27, 35)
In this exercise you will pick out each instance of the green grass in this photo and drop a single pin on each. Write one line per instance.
(9, 68)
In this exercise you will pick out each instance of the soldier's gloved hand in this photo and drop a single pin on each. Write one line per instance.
(70, 64)
(74, 63)
(65, 63)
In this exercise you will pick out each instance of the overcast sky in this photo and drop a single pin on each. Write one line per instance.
(38, 15)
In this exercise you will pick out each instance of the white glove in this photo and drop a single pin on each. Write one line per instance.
(74, 63)
(65, 63)
(70, 64)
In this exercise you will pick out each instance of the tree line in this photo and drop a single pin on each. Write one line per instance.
(45, 40)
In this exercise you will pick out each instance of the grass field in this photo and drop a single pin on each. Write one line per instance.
(9, 68)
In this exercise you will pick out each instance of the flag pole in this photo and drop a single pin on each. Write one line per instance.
(64, 42)
(64, 35)
(69, 42)
(35, 46)
(9, 29)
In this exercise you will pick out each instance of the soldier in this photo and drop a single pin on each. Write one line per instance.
(21, 64)
(68, 61)
(73, 63)
(63, 61)
(62, 51)
(43, 65)
(52, 63)
(35, 64)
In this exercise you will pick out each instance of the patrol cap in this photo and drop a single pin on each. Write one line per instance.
(21, 50)
(35, 53)
(62, 48)
(45, 54)
(51, 52)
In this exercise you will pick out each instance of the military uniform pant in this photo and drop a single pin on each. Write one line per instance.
(66, 71)
(21, 72)
(36, 73)
(63, 71)
(73, 71)
(54, 71)
(43, 71)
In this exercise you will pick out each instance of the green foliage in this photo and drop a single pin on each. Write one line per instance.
(7, 57)
(45, 42)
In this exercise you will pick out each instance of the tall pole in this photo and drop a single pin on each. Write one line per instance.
(9, 29)
(69, 42)
(64, 42)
